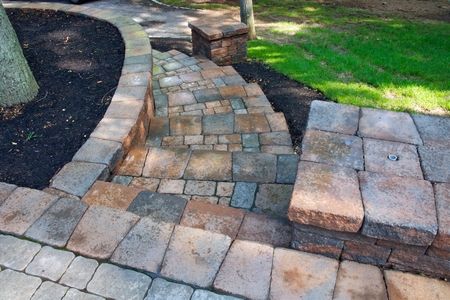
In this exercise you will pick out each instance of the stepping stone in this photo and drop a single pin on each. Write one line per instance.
(376, 159)
(287, 168)
(207, 295)
(100, 151)
(388, 125)
(144, 246)
(56, 225)
(79, 272)
(435, 162)
(6, 190)
(113, 282)
(246, 270)
(333, 149)
(111, 195)
(185, 125)
(218, 124)
(265, 229)
(251, 123)
(434, 130)
(300, 275)
(359, 281)
(16, 253)
(254, 167)
(194, 256)
(50, 263)
(410, 286)
(442, 196)
(162, 289)
(209, 165)
(74, 294)
(100, 231)
(327, 197)
(133, 162)
(214, 218)
(17, 286)
(244, 195)
(330, 116)
(50, 290)
(273, 198)
(399, 209)
(166, 163)
(22, 208)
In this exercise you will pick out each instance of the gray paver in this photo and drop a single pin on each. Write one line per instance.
(74, 294)
(329, 116)
(207, 295)
(206, 95)
(113, 282)
(273, 198)
(16, 253)
(218, 124)
(162, 289)
(250, 140)
(100, 151)
(244, 194)
(50, 291)
(17, 286)
(50, 263)
(435, 163)
(209, 165)
(5, 190)
(202, 188)
(79, 272)
(287, 168)
(434, 130)
(254, 167)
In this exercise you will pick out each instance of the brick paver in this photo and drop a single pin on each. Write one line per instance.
(74, 294)
(162, 289)
(100, 151)
(79, 273)
(50, 263)
(16, 253)
(133, 162)
(209, 165)
(50, 290)
(111, 195)
(254, 167)
(160, 207)
(273, 198)
(5, 190)
(18, 286)
(157, 165)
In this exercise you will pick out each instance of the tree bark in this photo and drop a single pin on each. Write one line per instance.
(17, 83)
(247, 17)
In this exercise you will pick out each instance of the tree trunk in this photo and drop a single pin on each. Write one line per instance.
(17, 83)
(247, 17)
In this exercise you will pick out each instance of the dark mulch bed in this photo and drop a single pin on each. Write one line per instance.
(77, 63)
(286, 95)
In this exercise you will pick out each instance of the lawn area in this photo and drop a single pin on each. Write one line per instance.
(356, 57)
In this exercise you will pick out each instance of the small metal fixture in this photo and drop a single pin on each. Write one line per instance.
(393, 157)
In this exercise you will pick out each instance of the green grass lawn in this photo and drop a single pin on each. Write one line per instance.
(355, 57)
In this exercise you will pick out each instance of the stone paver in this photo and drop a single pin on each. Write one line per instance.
(111, 195)
(150, 184)
(254, 167)
(194, 255)
(5, 190)
(244, 194)
(207, 295)
(161, 208)
(17, 286)
(185, 125)
(435, 162)
(251, 123)
(398, 208)
(209, 165)
(74, 294)
(100, 231)
(359, 281)
(442, 196)
(171, 186)
(162, 289)
(299, 275)
(16, 253)
(287, 168)
(329, 116)
(246, 270)
(100, 151)
(273, 198)
(434, 130)
(113, 282)
(327, 197)
(133, 162)
(218, 124)
(79, 272)
(50, 263)
(201, 188)
(157, 165)
(50, 291)
(333, 149)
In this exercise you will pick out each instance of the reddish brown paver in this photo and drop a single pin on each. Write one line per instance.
(211, 217)
(299, 275)
(166, 163)
(398, 208)
(246, 270)
(100, 231)
(133, 162)
(110, 194)
(327, 197)
(442, 195)
(209, 165)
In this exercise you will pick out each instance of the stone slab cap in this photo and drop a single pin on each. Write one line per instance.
(213, 30)
(442, 195)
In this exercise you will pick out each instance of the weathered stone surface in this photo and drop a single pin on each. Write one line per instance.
(435, 162)
(250, 140)
(194, 255)
(16, 253)
(218, 124)
(359, 281)
(166, 163)
(287, 168)
(299, 275)
(265, 229)
(77, 177)
(121, 179)
(244, 194)
(162, 289)
(100, 231)
(79, 272)
(144, 246)
(74, 294)
(327, 197)
(50, 263)
(277, 122)
(56, 225)
(6, 190)
(273, 198)
(376, 154)
(185, 125)
(150, 184)
(329, 116)
(254, 167)
(442, 196)
(246, 270)
(202, 188)
(211, 217)
(113, 282)
(205, 95)
(209, 165)
(388, 125)
(115, 130)
(17, 285)
(228, 92)
(161, 208)
(251, 123)
(275, 138)
(411, 262)
(434, 130)
(207, 295)
(365, 253)
(171, 186)
(333, 149)
(110, 194)
(170, 81)
(50, 291)
(22, 208)
(225, 189)
(409, 286)
(314, 243)
(398, 208)
(133, 162)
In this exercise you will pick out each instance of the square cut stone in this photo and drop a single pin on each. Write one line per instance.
(202, 188)
(181, 98)
(388, 125)
(435, 163)
(171, 186)
(186, 125)
(194, 255)
(228, 92)
(17, 286)
(211, 217)
(276, 138)
(218, 124)
(206, 95)
(150, 184)
(334, 117)
(56, 225)
(113, 282)
(251, 123)
(434, 130)
(5, 190)
(277, 122)
(170, 81)
(100, 151)
(100, 231)
(49, 290)
(399, 209)
(244, 194)
(273, 198)
(327, 197)
(333, 149)
(209, 165)
(287, 168)
(246, 270)
(144, 246)
(442, 195)
(300, 275)
(225, 189)
(16, 253)
(162, 289)
(22, 208)
(254, 167)
(376, 154)
(110, 194)
(166, 163)
(79, 272)
(133, 162)
(50, 263)
(191, 77)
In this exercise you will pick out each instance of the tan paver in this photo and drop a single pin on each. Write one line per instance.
(185, 125)
(111, 195)
(166, 163)
(133, 162)
(334, 117)
(209, 165)
(251, 123)
(6, 190)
